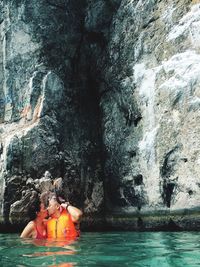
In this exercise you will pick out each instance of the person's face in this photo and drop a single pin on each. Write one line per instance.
(53, 206)
(43, 211)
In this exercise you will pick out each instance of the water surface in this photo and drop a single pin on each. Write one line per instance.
(138, 249)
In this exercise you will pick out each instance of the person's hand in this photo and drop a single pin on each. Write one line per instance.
(65, 205)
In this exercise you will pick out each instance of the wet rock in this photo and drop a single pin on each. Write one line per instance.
(19, 209)
(95, 204)
(105, 96)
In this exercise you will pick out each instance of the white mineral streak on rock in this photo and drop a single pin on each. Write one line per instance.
(2, 184)
(185, 67)
(167, 16)
(182, 72)
(145, 84)
(40, 109)
(52, 93)
(188, 25)
(2, 162)
(4, 156)
(8, 100)
(19, 42)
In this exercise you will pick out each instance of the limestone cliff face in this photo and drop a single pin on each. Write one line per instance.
(151, 113)
(104, 94)
(49, 112)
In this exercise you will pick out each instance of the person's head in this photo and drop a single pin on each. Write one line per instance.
(34, 208)
(37, 209)
(43, 213)
(44, 198)
(54, 203)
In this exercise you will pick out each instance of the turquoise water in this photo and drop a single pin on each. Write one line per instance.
(138, 249)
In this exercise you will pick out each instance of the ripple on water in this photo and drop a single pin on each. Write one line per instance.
(138, 249)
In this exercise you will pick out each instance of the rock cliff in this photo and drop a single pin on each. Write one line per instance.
(106, 95)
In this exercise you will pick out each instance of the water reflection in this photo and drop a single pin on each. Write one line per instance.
(66, 243)
(48, 253)
(163, 249)
(52, 249)
(63, 265)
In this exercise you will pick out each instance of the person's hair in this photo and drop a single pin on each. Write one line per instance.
(58, 190)
(54, 196)
(34, 208)
(44, 198)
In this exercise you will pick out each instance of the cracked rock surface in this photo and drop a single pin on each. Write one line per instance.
(105, 95)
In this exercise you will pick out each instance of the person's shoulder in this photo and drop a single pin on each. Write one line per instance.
(31, 224)
(27, 232)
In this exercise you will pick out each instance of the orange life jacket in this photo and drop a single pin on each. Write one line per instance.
(61, 227)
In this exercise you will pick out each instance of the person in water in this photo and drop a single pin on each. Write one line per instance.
(36, 228)
(63, 218)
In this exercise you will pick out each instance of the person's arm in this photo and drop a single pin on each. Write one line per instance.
(75, 213)
(28, 230)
